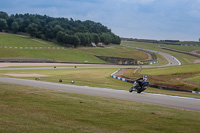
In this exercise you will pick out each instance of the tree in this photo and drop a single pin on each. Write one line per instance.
(95, 38)
(3, 24)
(76, 40)
(105, 38)
(15, 27)
(56, 29)
(32, 29)
(65, 39)
(77, 32)
(82, 38)
(59, 36)
(4, 15)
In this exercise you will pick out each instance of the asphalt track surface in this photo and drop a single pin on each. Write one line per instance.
(185, 103)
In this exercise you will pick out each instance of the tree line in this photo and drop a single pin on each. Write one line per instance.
(63, 30)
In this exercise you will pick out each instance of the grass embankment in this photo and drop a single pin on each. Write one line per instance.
(90, 77)
(117, 51)
(183, 58)
(182, 48)
(28, 109)
(186, 75)
(14, 40)
(26, 49)
(190, 42)
(66, 55)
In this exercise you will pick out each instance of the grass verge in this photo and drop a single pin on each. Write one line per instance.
(27, 109)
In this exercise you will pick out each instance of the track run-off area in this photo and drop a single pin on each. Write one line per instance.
(185, 103)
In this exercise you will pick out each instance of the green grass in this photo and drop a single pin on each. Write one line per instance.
(67, 55)
(183, 58)
(116, 51)
(68, 65)
(13, 40)
(89, 77)
(173, 70)
(27, 109)
(193, 79)
(190, 42)
(182, 48)
(186, 76)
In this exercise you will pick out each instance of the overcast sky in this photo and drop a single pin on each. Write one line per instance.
(147, 19)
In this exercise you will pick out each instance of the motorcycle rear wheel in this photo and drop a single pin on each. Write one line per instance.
(131, 89)
(140, 89)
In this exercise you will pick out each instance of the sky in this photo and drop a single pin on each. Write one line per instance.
(142, 19)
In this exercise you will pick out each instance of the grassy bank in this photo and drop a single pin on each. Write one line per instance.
(18, 46)
(28, 109)
(66, 55)
(14, 40)
(186, 76)
(182, 48)
(116, 51)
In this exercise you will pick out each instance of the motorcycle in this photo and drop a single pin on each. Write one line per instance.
(140, 87)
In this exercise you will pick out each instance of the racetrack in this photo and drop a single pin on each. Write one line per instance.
(192, 104)
(171, 59)
(157, 99)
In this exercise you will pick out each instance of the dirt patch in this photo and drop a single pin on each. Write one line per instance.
(178, 87)
(197, 61)
(195, 51)
(149, 57)
(26, 75)
(120, 72)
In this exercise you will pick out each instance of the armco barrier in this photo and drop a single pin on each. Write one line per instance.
(153, 86)
(196, 92)
(120, 78)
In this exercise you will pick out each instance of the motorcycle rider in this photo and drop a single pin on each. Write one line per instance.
(138, 81)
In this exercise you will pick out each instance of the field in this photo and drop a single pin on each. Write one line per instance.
(13, 40)
(89, 77)
(119, 51)
(183, 58)
(28, 109)
(182, 48)
(26, 49)
(66, 55)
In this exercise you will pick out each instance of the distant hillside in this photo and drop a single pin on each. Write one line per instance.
(63, 30)
(14, 46)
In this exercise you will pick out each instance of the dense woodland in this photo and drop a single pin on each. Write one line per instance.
(63, 30)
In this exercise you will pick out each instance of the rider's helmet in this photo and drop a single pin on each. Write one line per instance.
(145, 78)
